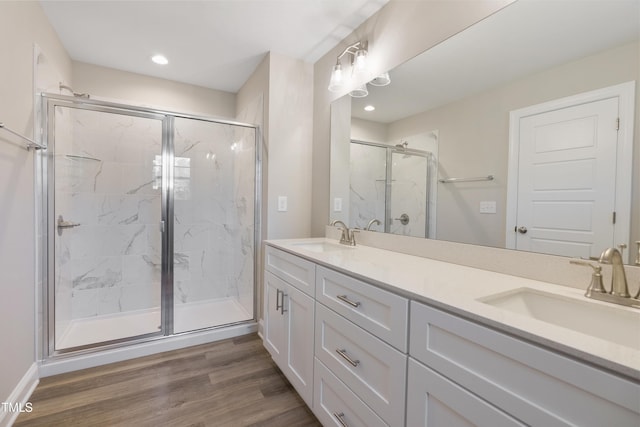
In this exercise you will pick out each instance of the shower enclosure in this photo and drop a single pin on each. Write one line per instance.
(390, 184)
(152, 223)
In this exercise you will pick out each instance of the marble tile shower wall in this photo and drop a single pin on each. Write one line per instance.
(409, 193)
(367, 177)
(214, 211)
(104, 179)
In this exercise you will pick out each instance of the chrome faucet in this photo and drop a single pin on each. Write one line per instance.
(373, 221)
(619, 293)
(347, 237)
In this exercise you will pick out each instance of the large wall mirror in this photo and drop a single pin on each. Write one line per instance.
(504, 135)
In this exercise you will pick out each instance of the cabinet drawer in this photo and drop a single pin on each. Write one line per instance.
(372, 369)
(434, 401)
(538, 386)
(382, 313)
(294, 270)
(333, 400)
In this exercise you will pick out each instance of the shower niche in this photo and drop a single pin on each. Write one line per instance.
(152, 223)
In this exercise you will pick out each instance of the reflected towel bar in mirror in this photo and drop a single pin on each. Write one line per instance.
(474, 179)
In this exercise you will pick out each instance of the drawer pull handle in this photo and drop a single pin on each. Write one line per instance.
(348, 301)
(340, 418)
(343, 353)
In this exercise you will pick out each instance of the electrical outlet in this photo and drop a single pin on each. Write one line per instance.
(337, 204)
(488, 207)
(282, 203)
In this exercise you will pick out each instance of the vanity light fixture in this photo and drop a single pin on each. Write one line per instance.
(359, 91)
(359, 53)
(382, 80)
(160, 59)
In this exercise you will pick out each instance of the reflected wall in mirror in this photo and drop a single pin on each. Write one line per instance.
(454, 102)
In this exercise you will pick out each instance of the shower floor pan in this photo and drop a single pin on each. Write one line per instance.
(187, 317)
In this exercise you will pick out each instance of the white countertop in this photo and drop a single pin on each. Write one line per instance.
(456, 288)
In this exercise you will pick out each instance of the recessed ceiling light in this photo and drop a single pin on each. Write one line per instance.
(369, 108)
(160, 59)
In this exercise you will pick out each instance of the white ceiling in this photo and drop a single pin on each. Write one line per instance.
(215, 43)
(524, 38)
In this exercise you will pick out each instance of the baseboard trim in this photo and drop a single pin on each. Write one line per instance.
(261, 329)
(20, 394)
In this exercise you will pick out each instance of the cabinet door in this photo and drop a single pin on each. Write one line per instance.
(274, 318)
(434, 401)
(299, 310)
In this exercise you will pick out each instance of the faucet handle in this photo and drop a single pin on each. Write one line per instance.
(621, 248)
(353, 235)
(596, 278)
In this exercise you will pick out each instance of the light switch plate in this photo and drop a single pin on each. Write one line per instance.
(488, 207)
(282, 203)
(337, 204)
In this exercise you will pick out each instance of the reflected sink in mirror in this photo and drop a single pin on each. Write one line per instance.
(321, 246)
(620, 325)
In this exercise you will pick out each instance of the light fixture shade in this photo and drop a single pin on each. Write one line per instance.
(337, 79)
(360, 91)
(360, 60)
(381, 80)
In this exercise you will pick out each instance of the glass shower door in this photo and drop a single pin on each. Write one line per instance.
(409, 195)
(214, 224)
(107, 243)
(367, 182)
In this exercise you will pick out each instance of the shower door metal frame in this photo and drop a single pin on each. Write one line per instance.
(49, 102)
(390, 150)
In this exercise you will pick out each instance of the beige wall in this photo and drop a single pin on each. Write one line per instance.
(284, 88)
(289, 151)
(474, 138)
(399, 31)
(21, 25)
(131, 88)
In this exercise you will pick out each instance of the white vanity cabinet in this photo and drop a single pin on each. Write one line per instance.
(361, 355)
(454, 360)
(434, 401)
(289, 318)
(357, 327)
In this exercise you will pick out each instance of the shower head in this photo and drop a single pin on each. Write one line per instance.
(70, 89)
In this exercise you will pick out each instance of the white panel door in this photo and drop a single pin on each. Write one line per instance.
(567, 180)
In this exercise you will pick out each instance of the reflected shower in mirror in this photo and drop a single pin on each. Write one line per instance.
(470, 100)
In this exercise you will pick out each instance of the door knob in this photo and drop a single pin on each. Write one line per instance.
(521, 230)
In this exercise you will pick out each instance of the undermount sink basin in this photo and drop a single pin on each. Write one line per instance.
(620, 325)
(321, 246)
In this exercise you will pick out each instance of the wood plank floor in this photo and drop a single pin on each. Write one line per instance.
(229, 383)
